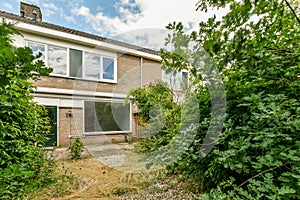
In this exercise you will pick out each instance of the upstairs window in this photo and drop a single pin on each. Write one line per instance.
(108, 69)
(57, 60)
(176, 80)
(75, 57)
(184, 79)
(76, 63)
(92, 66)
(36, 49)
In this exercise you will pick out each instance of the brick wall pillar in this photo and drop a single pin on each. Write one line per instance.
(70, 124)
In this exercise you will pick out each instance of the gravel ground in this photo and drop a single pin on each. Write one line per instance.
(119, 156)
(161, 191)
(162, 195)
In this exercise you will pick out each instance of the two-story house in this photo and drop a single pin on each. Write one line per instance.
(91, 76)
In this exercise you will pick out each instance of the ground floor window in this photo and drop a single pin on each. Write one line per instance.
(106, 117)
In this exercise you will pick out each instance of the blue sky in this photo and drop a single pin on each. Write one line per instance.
(141, 22)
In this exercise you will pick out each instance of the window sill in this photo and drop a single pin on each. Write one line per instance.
(107, 133)
(84, 79)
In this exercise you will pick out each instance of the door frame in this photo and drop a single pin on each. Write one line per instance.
(55, 121)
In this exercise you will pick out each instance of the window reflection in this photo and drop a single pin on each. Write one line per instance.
(106, 116)
(57, 59)
(108, 68)
(79, 63)
(75, 63)
(36, 49)
(92, 66)
(185, 79)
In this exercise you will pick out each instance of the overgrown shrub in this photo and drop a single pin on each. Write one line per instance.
(159, 115)
(257, 155)
(23, 124)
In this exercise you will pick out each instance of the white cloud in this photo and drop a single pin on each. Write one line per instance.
(35, 2)
(144, 15)
(56, 8)
(109, 25)
(49, 9)
(48, 12)
(51, 6)
(69, 19)
(150, 37)
(7, 5)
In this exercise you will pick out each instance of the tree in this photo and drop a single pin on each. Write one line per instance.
(23, 123)
(159, 119)
(256, 50)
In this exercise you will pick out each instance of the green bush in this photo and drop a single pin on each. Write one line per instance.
(23, 123)
(159, 118)
(257, 155)
(75, 149)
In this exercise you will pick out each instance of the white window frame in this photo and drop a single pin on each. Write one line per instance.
(173, 84)
(84, 51)
(107, 132)
(42, 44)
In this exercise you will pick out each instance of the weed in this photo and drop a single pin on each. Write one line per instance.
(114, 141)
(75, 148)
(119, 191)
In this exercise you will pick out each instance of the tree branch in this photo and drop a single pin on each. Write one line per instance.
(261, 173)
(292, 10)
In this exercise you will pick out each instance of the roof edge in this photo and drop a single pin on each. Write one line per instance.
(77, 33)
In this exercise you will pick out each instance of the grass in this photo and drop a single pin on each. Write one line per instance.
(87, 179)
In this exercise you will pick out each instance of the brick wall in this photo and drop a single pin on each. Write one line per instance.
(29, 10)
(128, 77)
(151, 71)
(74, 84)
(69, 125)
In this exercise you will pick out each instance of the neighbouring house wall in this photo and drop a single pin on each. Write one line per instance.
(151, 71)
(129, 75)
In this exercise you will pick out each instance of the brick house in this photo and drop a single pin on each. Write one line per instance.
(91, 76)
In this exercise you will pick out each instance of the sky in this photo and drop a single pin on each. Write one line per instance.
(140, 22)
